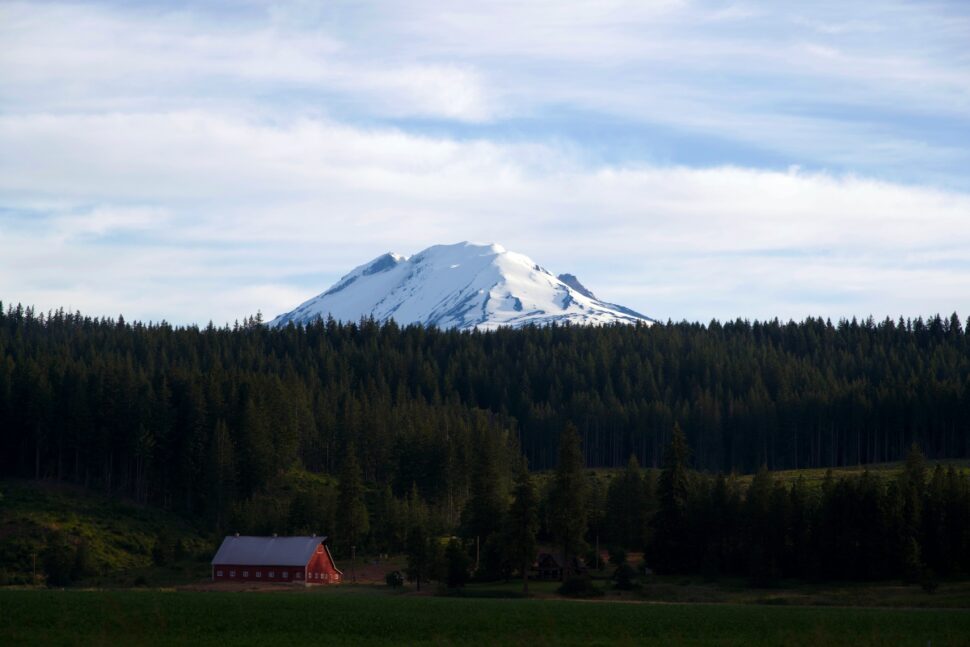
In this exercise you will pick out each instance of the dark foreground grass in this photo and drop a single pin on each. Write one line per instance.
(347, 617)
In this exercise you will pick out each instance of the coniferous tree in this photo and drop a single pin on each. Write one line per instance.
(221, 473)
(421, 555)
(669, 550)
(482, 513)
(456, 564)
(627, 508)
(521, 527)
(353, 521)
(568, 498)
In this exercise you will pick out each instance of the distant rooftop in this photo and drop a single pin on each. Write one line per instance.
(269, 551)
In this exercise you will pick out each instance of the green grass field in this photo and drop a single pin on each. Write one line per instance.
(351, 617)
(812, 478)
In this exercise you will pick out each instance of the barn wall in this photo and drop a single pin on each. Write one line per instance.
(321, 569)
(237, 573)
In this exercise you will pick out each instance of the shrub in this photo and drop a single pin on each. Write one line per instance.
(83, 564)
(394, 579)
(58, 562)
(623, 577)
(456, 565)
(617, 556)
(579, 587)
(164, 550)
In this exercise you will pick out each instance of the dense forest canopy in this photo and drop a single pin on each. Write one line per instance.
(195, 418)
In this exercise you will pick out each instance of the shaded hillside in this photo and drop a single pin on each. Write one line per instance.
(44, 526)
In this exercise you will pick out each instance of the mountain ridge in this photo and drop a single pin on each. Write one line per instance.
(465, 286)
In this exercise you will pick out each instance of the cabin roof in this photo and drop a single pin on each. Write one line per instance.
(268, 551)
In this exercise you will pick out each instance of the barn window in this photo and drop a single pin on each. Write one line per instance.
(218, 573)
(286, 575)
(272, 573)
(299, 575)
(245, 573)
(259, 573)
(232, 573)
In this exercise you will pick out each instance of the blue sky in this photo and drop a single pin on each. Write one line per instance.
(197, 161)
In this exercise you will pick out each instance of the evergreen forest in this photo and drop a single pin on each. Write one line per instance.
(429, 432)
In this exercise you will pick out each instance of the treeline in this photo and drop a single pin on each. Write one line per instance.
(201, 419)
(915, 526)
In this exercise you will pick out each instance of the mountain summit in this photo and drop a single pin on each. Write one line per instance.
(463, 286)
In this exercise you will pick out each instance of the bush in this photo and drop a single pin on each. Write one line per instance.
(394, 579)
(456, 565)
(617, 556)
(58, 564)
(624, 577)
(579, 587)
(83, 564)
(163, 552)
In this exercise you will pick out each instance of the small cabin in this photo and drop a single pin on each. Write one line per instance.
(549, 567)
(304, 560)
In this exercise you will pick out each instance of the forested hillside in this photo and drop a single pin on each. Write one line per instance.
(194, 419)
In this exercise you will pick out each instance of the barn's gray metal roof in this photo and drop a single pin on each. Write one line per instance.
(267, 551)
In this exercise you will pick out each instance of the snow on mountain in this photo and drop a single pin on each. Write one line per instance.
(463, 286)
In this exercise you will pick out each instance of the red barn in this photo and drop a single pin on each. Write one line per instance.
(306, 560)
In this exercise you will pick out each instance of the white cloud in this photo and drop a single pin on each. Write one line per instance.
(79, 57)
(228, 211)
(205, 163)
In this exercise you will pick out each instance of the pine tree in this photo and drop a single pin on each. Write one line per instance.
(669, 550)
(521, 527)
(456, 564)
(221, 473)
(420, 549)
(626, 508)
(758, 524)
(353, 521)
(482, 514)
(568, 497)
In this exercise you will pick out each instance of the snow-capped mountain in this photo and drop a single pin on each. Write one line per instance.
(463, 286)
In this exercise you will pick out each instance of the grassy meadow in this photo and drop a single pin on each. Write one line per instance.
(811, 477)
(348, 616)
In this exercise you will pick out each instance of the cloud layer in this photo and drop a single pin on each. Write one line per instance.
(202, 164)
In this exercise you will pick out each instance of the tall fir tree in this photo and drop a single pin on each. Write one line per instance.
(568, 498)
(627, 508)
(522, 524)
(353, 521)
(670, 549)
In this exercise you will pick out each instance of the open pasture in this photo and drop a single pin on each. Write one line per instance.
(353, 617)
